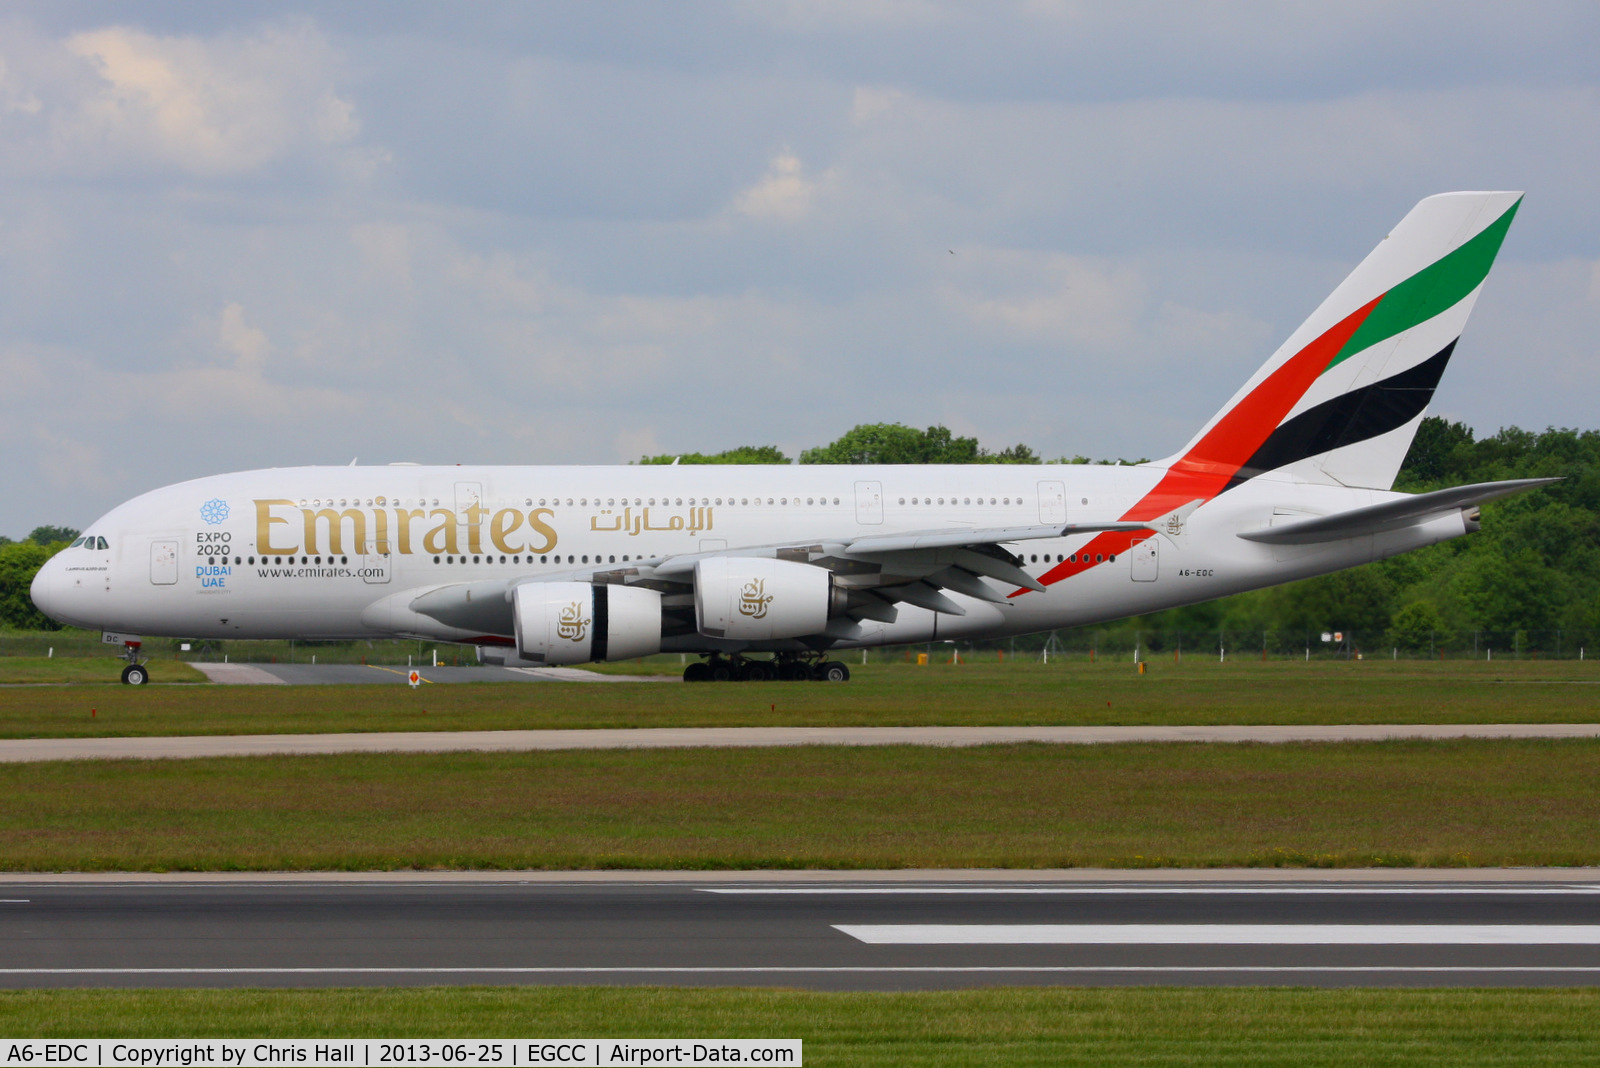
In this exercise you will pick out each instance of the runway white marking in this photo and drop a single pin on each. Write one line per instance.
(1123, 890)
(1231, 934)
(1066, 969)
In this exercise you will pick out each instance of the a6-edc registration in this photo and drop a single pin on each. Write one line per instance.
(394, 1053)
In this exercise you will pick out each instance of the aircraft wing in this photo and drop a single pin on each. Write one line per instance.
(878, 571)
(1391, 515)
(880, 544)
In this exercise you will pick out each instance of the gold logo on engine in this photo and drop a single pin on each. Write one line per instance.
(570, 623)
(754, 598)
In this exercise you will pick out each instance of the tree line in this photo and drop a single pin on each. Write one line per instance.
(1530, 576)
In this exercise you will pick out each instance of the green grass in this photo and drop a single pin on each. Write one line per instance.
(878, 695)
(102, 671)
(1457, 803)
(1009, 1026)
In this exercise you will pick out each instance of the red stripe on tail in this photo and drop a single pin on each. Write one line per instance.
(1204, 470)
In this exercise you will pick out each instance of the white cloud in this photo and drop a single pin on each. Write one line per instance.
(634, 442)
(72, 459)
(247, 344)
(119, 96)
(1086, 306)
(822, 15)
(564, 249)
(1076, 300)
(870, 102)
(784, 193)
(385, 249)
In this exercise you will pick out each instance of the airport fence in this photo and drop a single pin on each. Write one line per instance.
(1084, 643)
(1228, 643)
(387, 652)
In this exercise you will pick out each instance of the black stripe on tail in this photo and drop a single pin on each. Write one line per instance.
(1349, 418)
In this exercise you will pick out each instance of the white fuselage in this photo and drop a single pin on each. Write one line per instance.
(255, 554)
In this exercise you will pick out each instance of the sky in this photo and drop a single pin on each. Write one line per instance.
(257, 234)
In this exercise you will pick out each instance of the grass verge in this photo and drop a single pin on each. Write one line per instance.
(1008, 1026)
(1461, 803)
(878, 695)
(101, 671)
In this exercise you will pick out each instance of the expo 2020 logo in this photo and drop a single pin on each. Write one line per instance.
(214, 511)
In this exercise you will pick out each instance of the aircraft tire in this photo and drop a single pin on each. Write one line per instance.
(832, 671)
(719, 671)
(757, 671)
(698, 671)
(795, 671)
(135, 675)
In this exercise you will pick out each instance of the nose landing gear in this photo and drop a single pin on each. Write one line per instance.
(136, 673)
(787, 667)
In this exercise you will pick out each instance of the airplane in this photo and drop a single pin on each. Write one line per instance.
(765, 572)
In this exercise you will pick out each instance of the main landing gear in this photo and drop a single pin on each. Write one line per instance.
(719, 668)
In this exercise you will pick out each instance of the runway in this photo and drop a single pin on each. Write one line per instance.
(814, 930)
(33, 750)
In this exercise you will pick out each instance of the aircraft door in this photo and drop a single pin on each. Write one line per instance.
(468, 495)
(163, 563)
(1145, 560)
(1052, 502)
(375, 569)
(869, 503)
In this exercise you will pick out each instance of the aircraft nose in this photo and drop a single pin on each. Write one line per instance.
(46, 590)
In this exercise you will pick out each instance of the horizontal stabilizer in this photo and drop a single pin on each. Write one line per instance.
(1391, 515)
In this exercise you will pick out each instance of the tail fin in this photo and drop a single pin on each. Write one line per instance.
(1339, 403)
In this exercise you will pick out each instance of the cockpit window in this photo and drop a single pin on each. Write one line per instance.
(77, 543)
(100, 543)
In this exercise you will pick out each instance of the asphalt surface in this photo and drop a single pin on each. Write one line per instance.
(817, 931)
(33, 750)
(381, 675)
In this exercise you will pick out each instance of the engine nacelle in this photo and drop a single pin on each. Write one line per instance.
(575, 622)
(752, 599)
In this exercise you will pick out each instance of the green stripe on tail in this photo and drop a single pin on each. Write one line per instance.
(1431, 290)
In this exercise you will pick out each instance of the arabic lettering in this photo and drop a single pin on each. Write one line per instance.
(607, 521)
(571, 623)
(754, 599)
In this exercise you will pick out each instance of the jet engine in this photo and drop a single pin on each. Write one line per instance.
(751, 599)
(576, 622)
